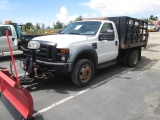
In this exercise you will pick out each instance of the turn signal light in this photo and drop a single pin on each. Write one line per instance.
(64, 51)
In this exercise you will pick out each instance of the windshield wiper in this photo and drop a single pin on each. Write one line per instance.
(74, 33)
(61, 33)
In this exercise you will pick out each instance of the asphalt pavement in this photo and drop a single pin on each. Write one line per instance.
(116, 93)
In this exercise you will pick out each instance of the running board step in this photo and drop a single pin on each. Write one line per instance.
(106, 64)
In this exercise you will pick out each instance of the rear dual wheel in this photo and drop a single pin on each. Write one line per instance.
(133, 58)
(130, 58)
(83, 72)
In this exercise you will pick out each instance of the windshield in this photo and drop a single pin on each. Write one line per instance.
(82, 28)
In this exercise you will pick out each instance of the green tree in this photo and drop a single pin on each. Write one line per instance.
(29, 25)
(38, 26)
(43, 25)
(153, 18)
(79, 18)
(58, 25)
(70, 22)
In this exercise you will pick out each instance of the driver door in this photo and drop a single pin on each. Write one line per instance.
(108, 47)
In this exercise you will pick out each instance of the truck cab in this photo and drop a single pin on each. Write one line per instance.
(101, 35)
(14, 36)
(3, 40)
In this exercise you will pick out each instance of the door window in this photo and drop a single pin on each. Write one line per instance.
(107, 32)
(105, 27)
(2, 30)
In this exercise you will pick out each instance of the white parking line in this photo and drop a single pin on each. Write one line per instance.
(77, 94)
(59, 102)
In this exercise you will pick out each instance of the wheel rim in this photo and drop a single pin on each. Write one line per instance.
(85, 73)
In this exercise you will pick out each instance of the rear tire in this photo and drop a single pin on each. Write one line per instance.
(82, 73)
(133, 58)
(125, 58)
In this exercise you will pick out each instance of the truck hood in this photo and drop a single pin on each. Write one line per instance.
(63, 40)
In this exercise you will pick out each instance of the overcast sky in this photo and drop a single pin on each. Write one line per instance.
(50, 11)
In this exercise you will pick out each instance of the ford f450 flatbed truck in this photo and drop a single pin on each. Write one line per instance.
(85, 46)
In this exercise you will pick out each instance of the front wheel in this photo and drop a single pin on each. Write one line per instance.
(83, 72)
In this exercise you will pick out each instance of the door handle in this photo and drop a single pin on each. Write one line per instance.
(13, 39)
(116, 43)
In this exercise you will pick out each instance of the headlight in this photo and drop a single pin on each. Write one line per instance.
(63, 54)
(33, 45)
(63, 58)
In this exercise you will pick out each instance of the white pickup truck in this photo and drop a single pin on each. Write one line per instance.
(17, 39)
(13, 35)
(85, 46)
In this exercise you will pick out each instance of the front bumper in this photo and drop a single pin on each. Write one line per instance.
(56, 67)
(151, 29)
(49, 66)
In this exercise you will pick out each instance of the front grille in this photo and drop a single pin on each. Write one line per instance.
(47, 53)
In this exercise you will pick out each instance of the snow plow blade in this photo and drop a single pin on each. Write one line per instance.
(15, 97)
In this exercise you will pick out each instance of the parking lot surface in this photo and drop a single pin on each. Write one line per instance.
(116, 93)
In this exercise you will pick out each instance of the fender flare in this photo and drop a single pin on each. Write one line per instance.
(80, 50)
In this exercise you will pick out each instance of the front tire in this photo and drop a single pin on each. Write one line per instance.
(83, 72)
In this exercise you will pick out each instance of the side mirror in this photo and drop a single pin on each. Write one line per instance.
(109, 35)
